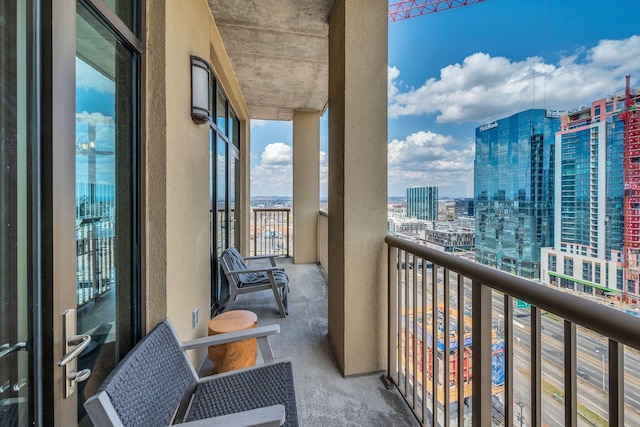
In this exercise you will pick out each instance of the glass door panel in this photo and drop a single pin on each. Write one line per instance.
(104, 195)
(234, 188)
(221, 195)
(15, 373)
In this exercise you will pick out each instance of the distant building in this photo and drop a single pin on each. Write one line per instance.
(408, 225)
(513, 180)
(464, 207)
(422, 203)
(588, 251)
(450, 238)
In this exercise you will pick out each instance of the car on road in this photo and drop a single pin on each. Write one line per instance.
(582, 374)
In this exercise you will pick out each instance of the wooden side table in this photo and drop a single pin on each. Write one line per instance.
(235, 355)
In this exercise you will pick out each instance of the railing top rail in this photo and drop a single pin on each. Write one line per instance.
(322, 212)
(271, 209)
(599, 318)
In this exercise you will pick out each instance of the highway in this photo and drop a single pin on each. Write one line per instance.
(591, 350)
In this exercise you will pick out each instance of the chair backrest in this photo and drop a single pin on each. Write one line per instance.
(148, 385)
(231, 260)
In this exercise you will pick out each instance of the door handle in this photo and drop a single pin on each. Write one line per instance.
(80, 342)
(78, 377)
(16, 347)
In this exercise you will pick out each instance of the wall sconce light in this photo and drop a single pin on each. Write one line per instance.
(200, 97)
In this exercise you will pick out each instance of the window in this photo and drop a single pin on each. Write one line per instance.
(224, 148)
(587, 269)
(552, 262)
(568, 266)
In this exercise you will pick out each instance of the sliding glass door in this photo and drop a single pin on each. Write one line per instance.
(105, 198)
(18, 322)
(224, 185)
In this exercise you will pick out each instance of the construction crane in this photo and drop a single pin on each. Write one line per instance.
(631, 118)
(411, 8)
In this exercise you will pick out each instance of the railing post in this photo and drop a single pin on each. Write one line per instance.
(508, 360)
(446, 354)
(460, 379)
(392, 281)
(570, 383)
(616, 384)
(536, 367)
(481, 307)
(287, 213)
(255, 232)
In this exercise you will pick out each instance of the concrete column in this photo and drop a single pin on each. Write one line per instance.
(243, 205)
(358, 185)
(306, 185)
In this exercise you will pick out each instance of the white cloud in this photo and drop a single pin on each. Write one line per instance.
(427, 158)
(258, 123)
(483, 87)
(274, 175)
(324, 174)
(94, 118)
(277, 153)
(392, 75)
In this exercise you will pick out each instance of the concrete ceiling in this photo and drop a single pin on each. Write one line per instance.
(278, 51)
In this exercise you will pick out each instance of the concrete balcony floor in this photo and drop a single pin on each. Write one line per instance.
(324, 396)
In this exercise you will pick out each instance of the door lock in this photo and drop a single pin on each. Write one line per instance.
(73, 346)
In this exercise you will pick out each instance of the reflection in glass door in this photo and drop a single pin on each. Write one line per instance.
(233, 188)
(16, 382)
(224, 189)
(221, 196)
(105, 194)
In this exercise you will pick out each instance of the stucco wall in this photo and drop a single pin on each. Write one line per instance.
(358, 185)
(178, 161)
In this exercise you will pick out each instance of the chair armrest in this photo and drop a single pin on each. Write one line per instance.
(261, 256)
(271, 258)
(255, 270)
(261, 331)
(268, 416)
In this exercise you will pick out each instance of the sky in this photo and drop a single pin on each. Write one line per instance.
(452, 71)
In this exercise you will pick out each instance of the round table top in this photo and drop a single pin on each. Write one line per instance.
(231, 321)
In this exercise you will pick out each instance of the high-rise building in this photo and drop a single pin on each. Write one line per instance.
(590, 193)
(513, 178)
(464, 207)
(422, 203)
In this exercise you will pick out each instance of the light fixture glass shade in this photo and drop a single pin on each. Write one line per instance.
(200, 97)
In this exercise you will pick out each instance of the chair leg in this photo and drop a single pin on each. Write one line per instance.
(232, 299)
(276, 294)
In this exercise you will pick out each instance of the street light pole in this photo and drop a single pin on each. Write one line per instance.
(520, 417)
(603, 384)
(603, 376)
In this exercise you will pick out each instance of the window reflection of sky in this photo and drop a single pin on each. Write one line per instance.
(95, 108)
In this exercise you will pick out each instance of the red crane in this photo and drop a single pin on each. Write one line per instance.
(410, 8)
(631, 118)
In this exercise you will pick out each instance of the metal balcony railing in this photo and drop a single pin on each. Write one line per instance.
(531, 354)
(95, 266)
(271, 232)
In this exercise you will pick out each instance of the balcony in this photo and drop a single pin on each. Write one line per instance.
(557, 358)
(324, 396)
(546, 357)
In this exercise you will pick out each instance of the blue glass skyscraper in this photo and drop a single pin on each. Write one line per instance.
(513, 178)
(588, 252)
(422, 203)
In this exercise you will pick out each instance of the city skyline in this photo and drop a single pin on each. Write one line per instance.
(446, 78)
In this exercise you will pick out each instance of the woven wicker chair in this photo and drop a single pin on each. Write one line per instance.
(156, 385)
(242, 279)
